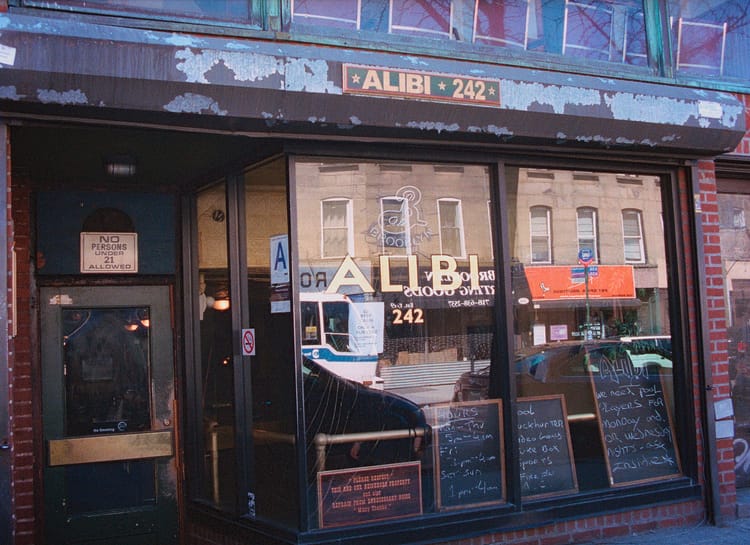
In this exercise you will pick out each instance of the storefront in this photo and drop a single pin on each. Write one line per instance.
(266, 290)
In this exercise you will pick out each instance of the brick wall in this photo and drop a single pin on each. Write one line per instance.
(25, 475)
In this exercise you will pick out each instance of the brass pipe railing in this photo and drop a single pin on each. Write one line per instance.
(322, 440)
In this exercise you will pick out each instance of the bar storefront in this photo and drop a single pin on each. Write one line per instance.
(452, 358)
(371, 297)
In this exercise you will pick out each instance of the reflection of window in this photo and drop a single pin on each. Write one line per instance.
(738, 218)
(421, 17)
(330, 13)
(336, 232)
(541, 241)
(700, 46)
(451, 227)
(588, 30)
(632, 233)
(634, 44)
(502, 23)
(395, 225)
(226, 10)
(586, 228)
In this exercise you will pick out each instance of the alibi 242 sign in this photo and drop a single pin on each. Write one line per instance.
(109, 253)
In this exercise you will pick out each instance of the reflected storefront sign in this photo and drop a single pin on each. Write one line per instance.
(559, 282)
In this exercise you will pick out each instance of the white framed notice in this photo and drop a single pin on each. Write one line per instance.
(109, 253)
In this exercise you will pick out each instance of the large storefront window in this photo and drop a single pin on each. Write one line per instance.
(406, 394)
(592, 329)
(386, 333)
(735, 254)
(216, 384)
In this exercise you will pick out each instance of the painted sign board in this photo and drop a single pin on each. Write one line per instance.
(109, 253)
(413, 84)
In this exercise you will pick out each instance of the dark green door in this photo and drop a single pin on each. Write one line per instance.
(108, 399)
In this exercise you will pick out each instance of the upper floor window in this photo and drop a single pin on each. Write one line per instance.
(541, 238)
(336, 228)
(586, 227)
(235, 11)
(420, 17)
(333, 13)
(710, 38)
(606, 30)
(632, 234)
(451, 227)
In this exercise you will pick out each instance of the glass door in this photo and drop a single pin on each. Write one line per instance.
(108, 383)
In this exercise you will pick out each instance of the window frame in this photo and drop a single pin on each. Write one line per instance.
(452, 525)
(639, 237)
(595, 230)
(348, 220)
(547, 235)
(459, 228)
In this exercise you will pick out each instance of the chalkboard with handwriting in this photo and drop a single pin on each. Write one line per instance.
(544, 447)
(469, 453)
(634, 420)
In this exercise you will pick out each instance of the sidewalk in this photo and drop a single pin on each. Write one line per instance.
(734, 532)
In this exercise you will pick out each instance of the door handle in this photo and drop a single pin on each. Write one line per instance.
(110, 447)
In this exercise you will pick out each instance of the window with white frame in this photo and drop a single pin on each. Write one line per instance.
(330, 13)
(395, 225)
(451, 227)
(336, 228)
(586, 230)
(541, 239)
(632, 235)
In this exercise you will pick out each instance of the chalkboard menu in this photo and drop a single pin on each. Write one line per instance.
(469, 459)
(634, 420)
(544, 447)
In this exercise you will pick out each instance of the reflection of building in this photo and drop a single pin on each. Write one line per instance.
(618, 217)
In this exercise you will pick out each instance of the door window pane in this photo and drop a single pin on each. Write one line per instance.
(107, 370)
(595, 336)
(387, 332)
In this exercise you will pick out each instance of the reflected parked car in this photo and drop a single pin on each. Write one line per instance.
(336, 407)
(563, 368)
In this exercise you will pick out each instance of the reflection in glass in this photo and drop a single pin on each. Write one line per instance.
(216, 365)
(592, 317)
(735, 254)
(225, 10)
(273, 376)
(710, 38)
(107, 370)
(388, 329)
(602, 30)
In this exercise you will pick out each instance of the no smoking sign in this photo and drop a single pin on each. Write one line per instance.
(248, 342)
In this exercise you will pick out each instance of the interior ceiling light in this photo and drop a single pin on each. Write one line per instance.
(121, 166)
